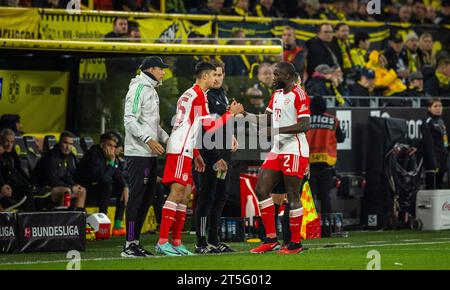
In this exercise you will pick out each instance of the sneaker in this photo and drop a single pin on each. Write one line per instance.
(121, 232)
(224, 248)
(183, 251)
(270, 245)
(144, 251)
(208, 249)
(132, 251)
(167, 249)
(292, 248)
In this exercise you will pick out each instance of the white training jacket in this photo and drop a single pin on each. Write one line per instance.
(141, 117)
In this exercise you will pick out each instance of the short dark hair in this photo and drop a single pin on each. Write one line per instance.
(202, 67)
(218, 63)
(133, 25)
(66, 134)
(118, 136)
(117, 18)
(108, 136)
(319, 28)
(5, 132)
(433, 100)
(287, 67)
(340, 24)
(361, 36)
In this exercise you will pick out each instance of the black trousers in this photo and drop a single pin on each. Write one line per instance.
(101, 193)
(321, 182)
(142, 182)
(211, 200)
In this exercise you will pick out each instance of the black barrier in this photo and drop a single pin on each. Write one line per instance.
(8, 233)
(52, 231)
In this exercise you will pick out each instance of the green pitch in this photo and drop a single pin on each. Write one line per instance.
(397, 249)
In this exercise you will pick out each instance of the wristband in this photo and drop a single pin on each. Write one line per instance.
(111, 163)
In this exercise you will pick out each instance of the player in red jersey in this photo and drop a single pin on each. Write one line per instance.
(288, 114)
(192, 114)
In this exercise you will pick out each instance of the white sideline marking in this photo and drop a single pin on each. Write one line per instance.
(158, 257)
(377, 242)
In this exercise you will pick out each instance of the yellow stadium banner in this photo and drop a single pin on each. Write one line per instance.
(79, 27)
(39, 97)
(170, 30)
(19, 23)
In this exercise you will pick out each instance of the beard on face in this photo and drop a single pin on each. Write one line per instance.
(278, 85)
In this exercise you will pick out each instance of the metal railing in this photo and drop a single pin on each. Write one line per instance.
(382, 101)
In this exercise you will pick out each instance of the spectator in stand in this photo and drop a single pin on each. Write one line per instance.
(342, 41)
(254, 101)
(363, 87)
(239, 8)
(444, 13)
(134, 32)
(427, 58)
(308, 9)
(321, 50)
(265, 8)
(61, 4)
(397, 58)
(386, 80)
(415, 88)
(419, 13)
(11, 121)
(413, 53)
(175, 6)
(362, 11)
(405, 14)
(359, 52)
(120, 29)
(292, 52)
(438, 84)
(317, 83)
(351, 10)
(53, 175)
(211, 7)
(265, 81)
(9, 3)
(15, 186)
(99, 173)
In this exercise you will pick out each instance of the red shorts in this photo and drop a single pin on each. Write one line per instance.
(178, 169)
(289, 164)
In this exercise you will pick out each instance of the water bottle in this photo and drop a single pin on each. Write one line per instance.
(67, 199)
(233, 229)
(250, 209)
(220, 174)
(229, 230)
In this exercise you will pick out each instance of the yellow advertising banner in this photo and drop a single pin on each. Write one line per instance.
(77, 27)
(39, 97)
(19, 23)
(170, 30)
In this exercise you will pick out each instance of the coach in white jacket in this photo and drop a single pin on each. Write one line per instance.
(143, 135)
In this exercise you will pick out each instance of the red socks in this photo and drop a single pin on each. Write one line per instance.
(268, 217)
(178, 225)
(168, 217)
(295, 217)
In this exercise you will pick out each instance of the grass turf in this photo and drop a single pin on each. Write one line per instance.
(398, 250)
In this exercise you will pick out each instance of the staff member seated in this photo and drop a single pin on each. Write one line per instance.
(100, 173)
(54, 175)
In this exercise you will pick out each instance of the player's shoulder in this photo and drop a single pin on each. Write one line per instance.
(300, 93)
(190, 93)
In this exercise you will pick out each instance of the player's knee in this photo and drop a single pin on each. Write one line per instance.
(261, 192)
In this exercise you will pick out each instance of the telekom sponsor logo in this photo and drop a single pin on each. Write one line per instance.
(446, 206)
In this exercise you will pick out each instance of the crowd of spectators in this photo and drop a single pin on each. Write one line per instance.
(406, 11)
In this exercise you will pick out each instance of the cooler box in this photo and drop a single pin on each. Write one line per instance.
(101, 225)
(433, 209)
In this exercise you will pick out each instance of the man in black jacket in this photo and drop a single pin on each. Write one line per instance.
(321, 49)
(99, 171)
(54, 174)
(214, 189)
(363, 87)
(15, 187)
